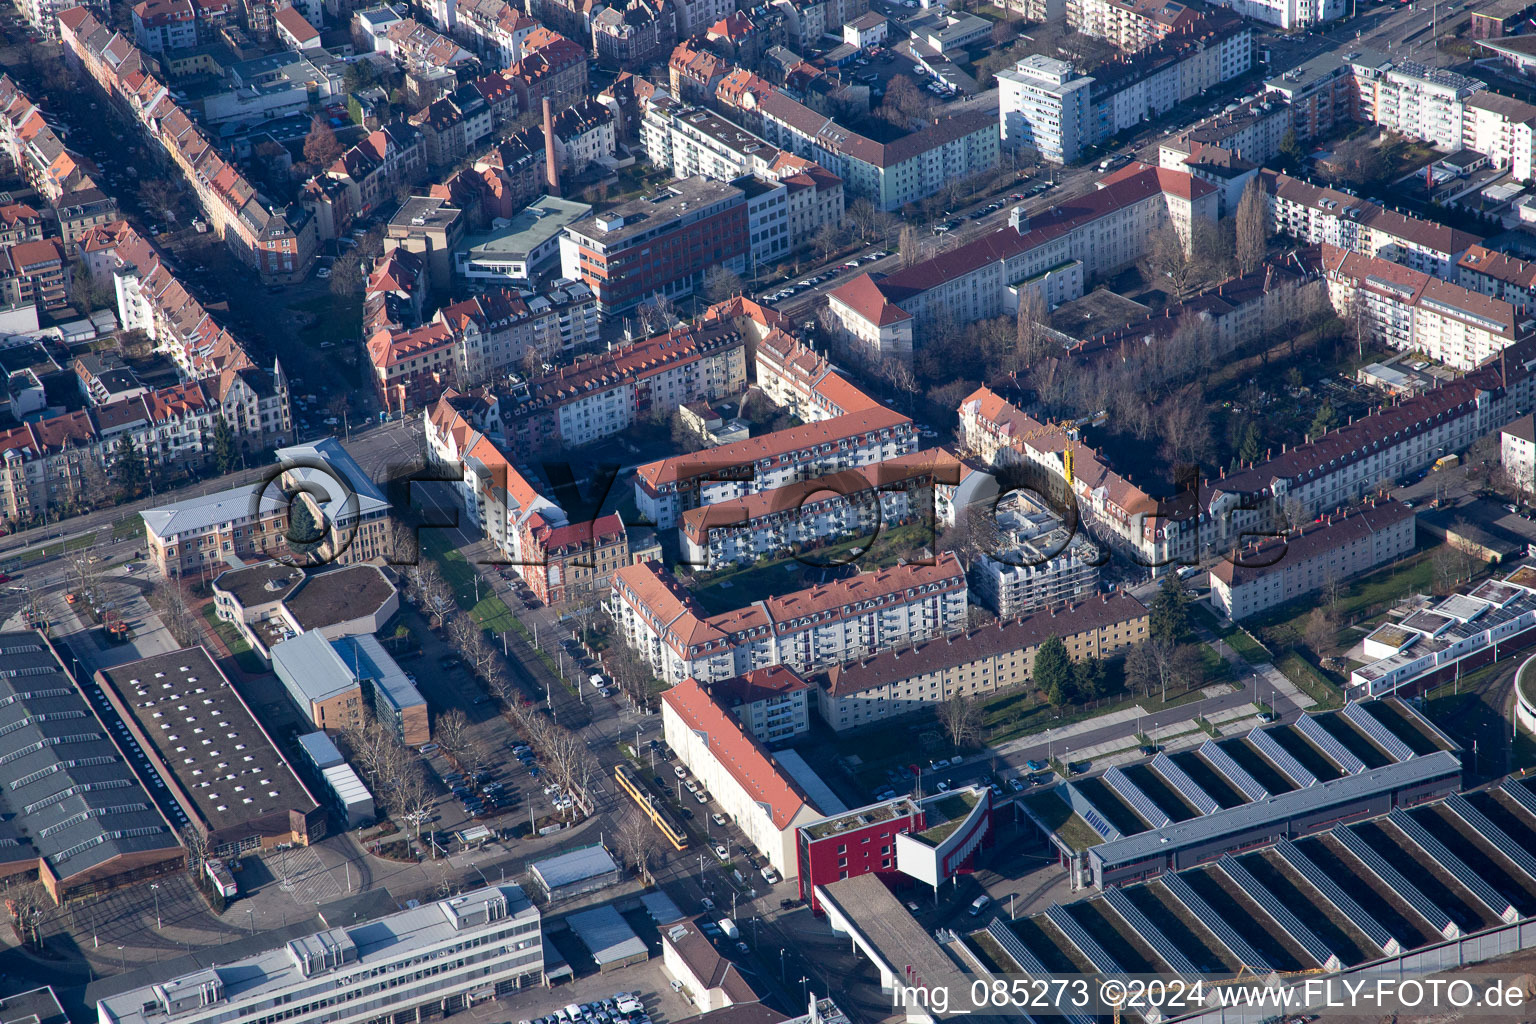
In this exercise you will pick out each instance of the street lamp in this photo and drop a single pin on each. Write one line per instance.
(154, 887)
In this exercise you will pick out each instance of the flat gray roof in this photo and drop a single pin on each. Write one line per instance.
(374, 663)
(1272, 809)
(311, 668)
(893, 932)
(536, 224)
(39, 1006)
(605, 932)
(574, 866)
(338, 594)
(259, 584)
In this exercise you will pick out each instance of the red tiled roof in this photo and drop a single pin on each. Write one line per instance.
(753, 768)
(1311, 540)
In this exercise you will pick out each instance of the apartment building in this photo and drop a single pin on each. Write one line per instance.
(667, 488)
(1503, 129)
(662, 244)
(502, 329)
(1047, 105)
(803, 631)
(909, 678)
(370, 172)
(605, 394)
(41, 157)
(552, 68)
(1517, 452)
(412, 366)
(802, 383)
(773, 703)
(1419, 101)
(35, 273)
(927, 488)
(436, 957)
(1288, 14)
(1413, 312)
(277, 242)
(736, 770)
(1324, 216)
(1253, 132)
(1311, 558)
(1321, 92)
(1149, 531)
(160, 25)
(1057, 254)
(196, 536)
(1132, 24)
(1031, 559)
(1499, 276)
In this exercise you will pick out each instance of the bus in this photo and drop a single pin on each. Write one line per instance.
(660, 816)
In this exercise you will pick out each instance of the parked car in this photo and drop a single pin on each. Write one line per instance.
(722, 852)
(680, 771)
(979, 904)
(718, 819)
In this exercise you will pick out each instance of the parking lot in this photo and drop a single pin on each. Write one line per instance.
(830, 273)
(647, 982)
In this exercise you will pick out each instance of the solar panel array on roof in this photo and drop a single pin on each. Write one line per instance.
(1329, 745)
(1179, 779)
(1234, 773)
(1451, 862)
(1150, 933)
(1331, 891)
(1085, 943)
(1520, 794)
(1378, 733)
(1288, 765)
(1131, 793)
(1206, 915)
(1497, 837)
(1289, 923)
(1027, 962)
(1393, 879)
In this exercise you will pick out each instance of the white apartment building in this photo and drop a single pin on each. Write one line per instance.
(1419, 101)
(924, 487)
(1324, 216)
(494, 331)
(1413, 312)
(1307, 560)
(744, 780)
(1035, 562)
(420, 964)
(664, 490)
(802, 383)
(805, 630)
(1501, 128)
(773, 703)
(1498, 275)
(1288, 14)
(1047, 106)
(1517, 452)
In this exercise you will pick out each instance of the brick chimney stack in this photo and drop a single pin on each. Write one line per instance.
(551, 165)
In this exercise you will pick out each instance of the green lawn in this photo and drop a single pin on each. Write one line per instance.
(338, 320)
(1362, 598)
(248, 660)
(128, 527)
(85, 540)
(1312, 682)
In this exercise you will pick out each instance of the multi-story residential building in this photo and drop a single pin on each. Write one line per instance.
(20, 223)
(40, 155)
(693, 72)
(278, 242)
(925, 487)
(1503, 129)
(745, 780)
(633, 33)
(562, 562)
(809, 629)
(35, 273)
(1517, 452)
(412, 366)
(198, 535)
(916, 677)
(1132, 24)
(773, 703)
(1413, 312)
(1117, 511)
(1034, 561)
(433, 229)
(1078, 240)
(1421, 102)
(661, 244)
(552, 68)
(1253, 133)
(1498, 275)
(502, 330)
(605, 394)
(497, 27)
(366, 175)
(1288, 14)
(803, 383)
(1321, 92)
(1045, 104)
(436, 956)
(160, 25)
(293, 30)
(1324, 216)
(667, 488)
(1311, 558)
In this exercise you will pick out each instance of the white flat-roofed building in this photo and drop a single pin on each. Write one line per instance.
(1044, 104)
(517, 251)
(1034, 562)
(1419, 101)
(419, 964)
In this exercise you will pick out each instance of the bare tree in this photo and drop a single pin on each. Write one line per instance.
(196, 845)
(1253, 229)
(451, 731)
(1319, 632)
(720, 283)
(960, 716)
(1168, 259)
(910, 246)
(413, 798)
(635, 842)
(171, 605)
(30, 907)
(1032, 321)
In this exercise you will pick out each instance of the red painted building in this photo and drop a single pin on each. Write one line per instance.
(921, 839)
